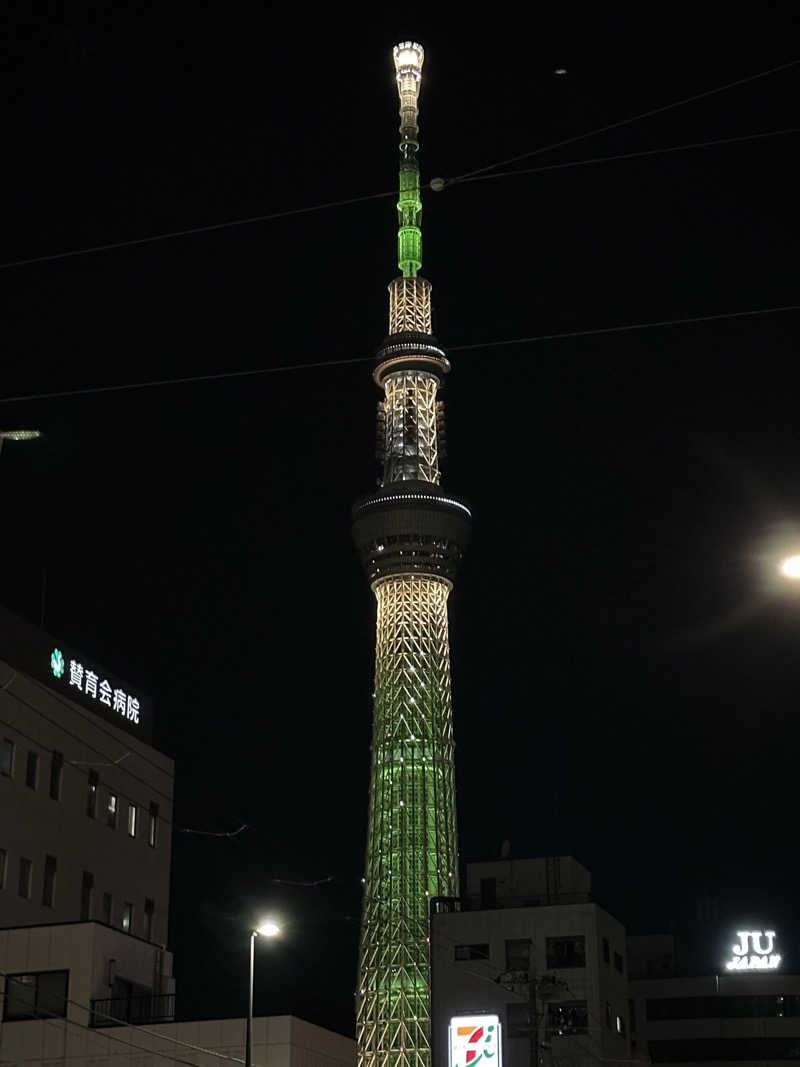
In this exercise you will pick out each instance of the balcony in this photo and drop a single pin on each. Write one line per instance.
(133, 1010)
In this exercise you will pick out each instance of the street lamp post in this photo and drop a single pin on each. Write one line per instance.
(266, 929)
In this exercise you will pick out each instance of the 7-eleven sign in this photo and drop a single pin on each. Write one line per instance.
(474, 1041)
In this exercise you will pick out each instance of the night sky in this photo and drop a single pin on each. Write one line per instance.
(625, 668)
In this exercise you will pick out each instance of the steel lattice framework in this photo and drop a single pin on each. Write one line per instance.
(411, 536)
(411, 837)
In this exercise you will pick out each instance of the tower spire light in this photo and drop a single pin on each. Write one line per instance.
(411, 536)
(408, 60)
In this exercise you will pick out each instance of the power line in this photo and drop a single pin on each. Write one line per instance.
(82, 741)
(287, 368)
(624, 122)
(631, 155)
(131, 242)
(467, 176)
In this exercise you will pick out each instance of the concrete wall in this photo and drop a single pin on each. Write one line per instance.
(765, 983)
(86, 950)
(34, 825)
(281, 1041)
(531, 881)
(464, 986)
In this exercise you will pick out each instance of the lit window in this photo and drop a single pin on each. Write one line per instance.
(127, 918)
(113, 808)
(56, 767)
(567, 1017)
(91, 795)
(49, 883)
(133, 812)
(6, 756)
(32, 770)
(152, 830)
(621, 1026)
(25, 868)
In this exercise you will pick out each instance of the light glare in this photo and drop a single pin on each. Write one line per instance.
(268, 929)
(791, 567)
(20, 435)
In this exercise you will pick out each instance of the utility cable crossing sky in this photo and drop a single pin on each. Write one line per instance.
(322, 364)
(481, 173)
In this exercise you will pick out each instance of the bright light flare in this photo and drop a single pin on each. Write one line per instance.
(791, 567)
(408, 54)
(268, 929)
(20, 435)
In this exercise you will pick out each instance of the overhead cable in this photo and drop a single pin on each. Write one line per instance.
(286, 368)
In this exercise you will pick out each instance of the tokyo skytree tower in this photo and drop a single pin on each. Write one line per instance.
(411, 536)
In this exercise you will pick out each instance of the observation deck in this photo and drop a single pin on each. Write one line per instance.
(411, 527)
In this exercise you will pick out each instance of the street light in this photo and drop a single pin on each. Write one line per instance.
(267, 929)
(18, 435)
(791, 567)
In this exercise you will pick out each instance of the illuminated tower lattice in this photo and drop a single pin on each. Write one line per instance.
(411, 536)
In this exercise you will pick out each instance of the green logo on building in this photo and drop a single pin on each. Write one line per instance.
(57, 662)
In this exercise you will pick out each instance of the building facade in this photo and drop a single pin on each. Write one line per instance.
(411, 536)
(737, 1014)
(528, 944)
(85, 801)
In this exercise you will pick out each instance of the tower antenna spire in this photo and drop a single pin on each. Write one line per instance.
(408, 60)
(411, 535)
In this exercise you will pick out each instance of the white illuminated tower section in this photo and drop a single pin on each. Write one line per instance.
(411, 536)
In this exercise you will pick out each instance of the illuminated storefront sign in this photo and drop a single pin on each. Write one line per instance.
(88, 682)
(74, 676)
(474, 1038)
(754, 952)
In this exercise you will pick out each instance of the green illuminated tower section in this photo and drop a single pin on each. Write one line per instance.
(411, 535)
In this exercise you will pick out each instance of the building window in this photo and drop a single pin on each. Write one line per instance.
(566, 952)
(127, 918)
(36, 996)
(56, 768)
(133, 812)
(91, 795)
(87, 892)
(760, 1006)
(32, 770)
(149, 911)
(606, 951)
(518, 954)
(471, 952)
(518, 1019)
(609, 1016)
(107, 908)
(152, 830)
(488, 893)
(567, 1017)
(25, 869)
(621, 1028)
(6, 757)
(113, 808)
(3, 865)
(49, 882)
(618, 964)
